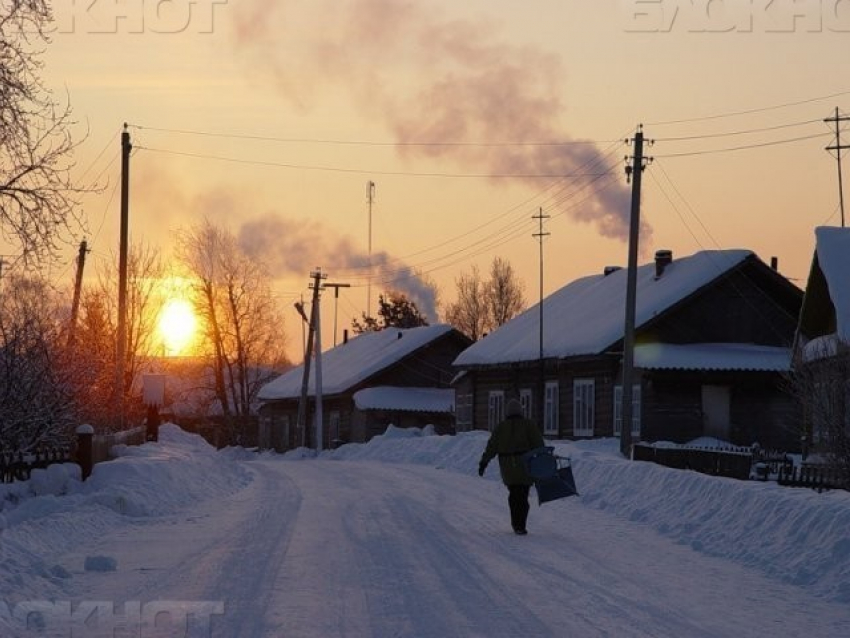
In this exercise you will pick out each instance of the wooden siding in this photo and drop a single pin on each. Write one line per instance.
(759, 410)
(751, 304)
(748, 306)
(511, 380)
(429, 366)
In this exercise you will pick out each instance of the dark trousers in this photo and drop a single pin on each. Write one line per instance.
(518, 501)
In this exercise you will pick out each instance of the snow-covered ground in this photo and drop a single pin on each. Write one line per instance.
(400, 537)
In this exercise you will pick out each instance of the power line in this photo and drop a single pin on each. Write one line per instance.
(764, 129)
(358, 171)
(378, 143)
(745, 147)
(762, 109)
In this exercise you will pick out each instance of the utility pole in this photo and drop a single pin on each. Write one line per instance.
(633, 173)
(370, 198)
(320, 417)
(317, 276)
(837, 119)
(78, 286)
(120, 356)
(541, 392)
(336, 288)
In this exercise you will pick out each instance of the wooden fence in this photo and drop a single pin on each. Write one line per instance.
(18, 466)
(732, 462)
(816, 477)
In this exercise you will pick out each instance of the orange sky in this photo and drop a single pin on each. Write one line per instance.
(343, 82)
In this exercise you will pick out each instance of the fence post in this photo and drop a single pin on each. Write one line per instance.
(85, 436)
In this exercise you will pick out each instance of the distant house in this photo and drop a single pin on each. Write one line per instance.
(822, 345)
(394, 376)
(713, 340)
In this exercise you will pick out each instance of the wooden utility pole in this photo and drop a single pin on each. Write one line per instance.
(317, 277)
(541, 391)
(78, 286)
(837, 119)
(633, 173)
(121, 350)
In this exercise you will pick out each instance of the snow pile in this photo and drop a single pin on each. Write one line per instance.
(795, 535)
(54, 511)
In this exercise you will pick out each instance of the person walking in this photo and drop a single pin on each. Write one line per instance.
(513, 437)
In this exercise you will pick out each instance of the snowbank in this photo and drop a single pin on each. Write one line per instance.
(795, 535)
(54, 511)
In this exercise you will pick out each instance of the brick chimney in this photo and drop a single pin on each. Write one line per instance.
(663, 258)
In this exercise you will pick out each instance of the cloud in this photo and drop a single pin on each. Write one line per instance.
(435, 80)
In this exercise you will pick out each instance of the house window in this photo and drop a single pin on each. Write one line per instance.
(495, 408)
(333, 426)
(550, 409)
(618, 409)
(525, 401)
(463, 412)
(583, 407)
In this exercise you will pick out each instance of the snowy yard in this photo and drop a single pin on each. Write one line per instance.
(400, 537)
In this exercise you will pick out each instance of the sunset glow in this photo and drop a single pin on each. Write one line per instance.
(177, 324)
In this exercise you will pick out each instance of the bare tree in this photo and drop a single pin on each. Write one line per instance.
(469, 314)
(243, 325)
(482, 306)
(37, 197)
(36, 402)
(822, 387)
(94, 350)
(504, 294)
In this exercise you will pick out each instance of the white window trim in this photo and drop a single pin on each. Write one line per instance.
(495, 408)
(584, 407)
(551, 416)
(525, 398)
(618, 409)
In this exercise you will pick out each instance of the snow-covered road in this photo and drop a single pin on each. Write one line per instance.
(325, 548)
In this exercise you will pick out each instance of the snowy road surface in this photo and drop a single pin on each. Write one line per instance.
(326, 548)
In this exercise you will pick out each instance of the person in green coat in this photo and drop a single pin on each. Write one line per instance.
(512, 438)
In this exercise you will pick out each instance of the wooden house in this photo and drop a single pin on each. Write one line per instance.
(394, 376)
(822, 344)
(713, 342)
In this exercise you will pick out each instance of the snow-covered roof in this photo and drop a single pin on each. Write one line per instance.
(588, 315)
(405, 399)
(833, 253)
(348, 364)
(712, 356)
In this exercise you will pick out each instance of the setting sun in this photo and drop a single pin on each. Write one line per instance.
(177, 326)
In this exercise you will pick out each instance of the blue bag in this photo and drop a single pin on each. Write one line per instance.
(552, 475)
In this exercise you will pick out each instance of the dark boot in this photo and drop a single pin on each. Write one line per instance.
(518, 502)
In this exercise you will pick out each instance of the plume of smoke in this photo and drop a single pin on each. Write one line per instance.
(435, 80)
(288, 247)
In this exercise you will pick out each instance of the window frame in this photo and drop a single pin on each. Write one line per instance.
(584, 406)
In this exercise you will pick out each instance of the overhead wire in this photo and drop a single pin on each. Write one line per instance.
(378, 143)
(751, 111)
(340, 169)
